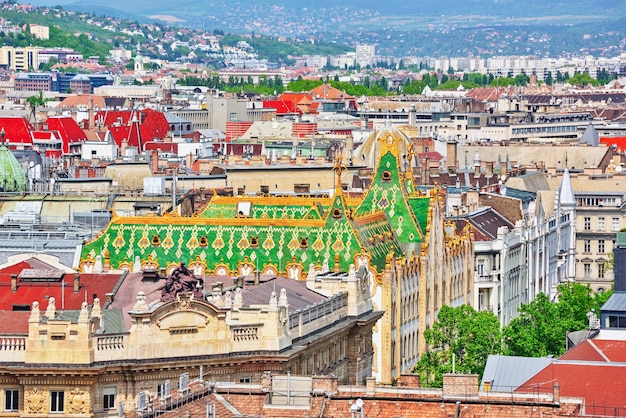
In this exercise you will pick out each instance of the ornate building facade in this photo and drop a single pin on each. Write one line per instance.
(416, 262)
(85, 363)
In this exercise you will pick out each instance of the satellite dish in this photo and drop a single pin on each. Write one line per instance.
(503, 177)
(359, 403)
(619, 169)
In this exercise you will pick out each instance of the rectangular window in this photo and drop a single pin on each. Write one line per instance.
(601, 246)
(600, 224)
(56, 401)
(587, 270)
(601, 270)
(587, 246)
(587, 223)
(109, 398)
(11, 398)
(615, 224)
(233, 117)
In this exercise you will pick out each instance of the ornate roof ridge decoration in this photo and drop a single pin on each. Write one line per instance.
(190, 221)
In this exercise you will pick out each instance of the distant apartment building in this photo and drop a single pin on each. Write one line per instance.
(53, 81)
(85, 83)
(121, 54)
(365, 55)
(33, 82)
(19, 58)
(62, 55)
(39, 31)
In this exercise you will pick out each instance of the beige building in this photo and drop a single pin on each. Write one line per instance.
(85, 363)
(20, 58)
(599, 217)
(39, 31)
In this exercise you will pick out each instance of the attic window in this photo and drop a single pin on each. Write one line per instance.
(156, 240)
(304, 243)
(386, 175)
(254, 242)
(203, 241)
(336, 213)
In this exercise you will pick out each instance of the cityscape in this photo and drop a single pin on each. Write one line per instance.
(255, 214)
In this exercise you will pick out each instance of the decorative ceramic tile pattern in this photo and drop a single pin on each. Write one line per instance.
(389, 194)
(279, 230)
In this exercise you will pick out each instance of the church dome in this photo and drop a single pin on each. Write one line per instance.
(12, 177)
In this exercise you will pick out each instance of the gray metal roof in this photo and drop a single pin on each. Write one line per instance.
(507, 373)
(616, 303)
(112, 319)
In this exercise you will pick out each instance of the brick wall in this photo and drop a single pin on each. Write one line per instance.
(460, 384)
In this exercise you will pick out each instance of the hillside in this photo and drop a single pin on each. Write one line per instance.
(397, 28)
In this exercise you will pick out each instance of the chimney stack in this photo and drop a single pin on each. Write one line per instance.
(488, 168)
(76, 282)
(451, 152)
(154, 161)
(14, 283)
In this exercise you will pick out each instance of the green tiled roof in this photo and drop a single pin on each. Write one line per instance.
(264, 208)
(278, 230)
(388, 193)
(12, 178)
(276, 242)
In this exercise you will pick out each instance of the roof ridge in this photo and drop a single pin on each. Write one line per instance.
(595, 347)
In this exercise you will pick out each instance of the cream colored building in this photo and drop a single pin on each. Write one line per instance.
(20, 58)
(85, 363)
(600, 205)
(39, 31)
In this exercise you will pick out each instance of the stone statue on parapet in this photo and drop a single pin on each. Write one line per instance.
(180, 281)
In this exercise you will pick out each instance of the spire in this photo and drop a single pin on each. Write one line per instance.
(566, 192)
(339, 168)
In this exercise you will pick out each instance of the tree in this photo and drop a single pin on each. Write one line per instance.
(542, 326)
(35, 101)
(582, 79)
(461, 336)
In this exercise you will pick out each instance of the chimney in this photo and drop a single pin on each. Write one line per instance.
(154, 161)
(476, 170)
(426, 168)
(489, 169)
(557, 393)
(189, 160)
(451, 152)
(92, 121)
(13, 282)
(503, 168)
(76, 282)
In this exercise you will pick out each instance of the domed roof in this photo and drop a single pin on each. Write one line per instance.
(12, 177)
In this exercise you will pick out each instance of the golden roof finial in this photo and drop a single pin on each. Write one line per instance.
(339, 169)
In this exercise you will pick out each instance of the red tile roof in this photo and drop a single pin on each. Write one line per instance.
(91, 285)
(162, 146)
(283, 107)
(598, 350)
(17, 130)
(596, 383)
(68, 129)
(152, 125)
(328, 92)
(618, 141)
(14, 322)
